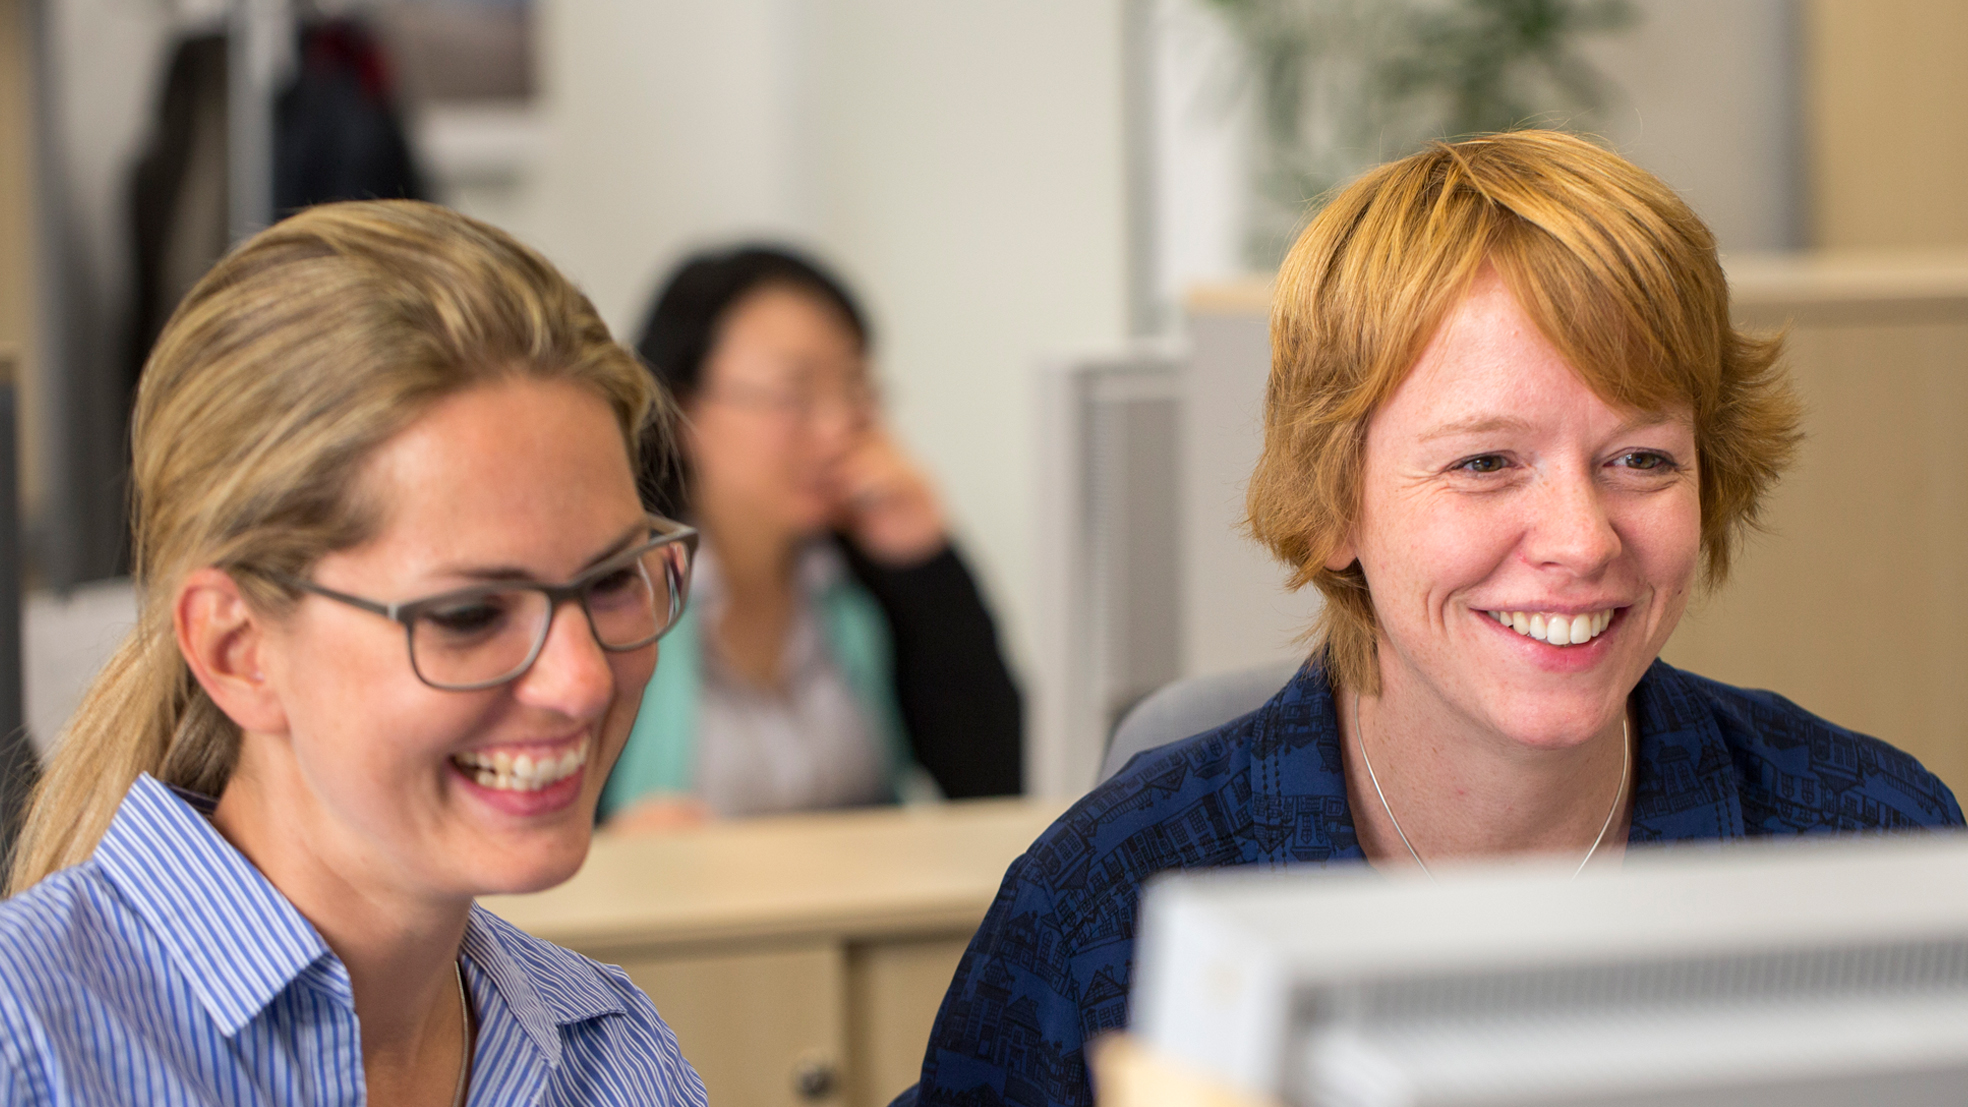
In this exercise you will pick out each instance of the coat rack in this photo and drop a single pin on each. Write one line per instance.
(259, 45)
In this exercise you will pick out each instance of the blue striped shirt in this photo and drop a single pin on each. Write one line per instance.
(166, 969)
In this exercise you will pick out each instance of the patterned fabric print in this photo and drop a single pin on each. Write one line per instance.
(1051, 965)
(166, 969)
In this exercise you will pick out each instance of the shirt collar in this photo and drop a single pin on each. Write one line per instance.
(239, 943)
(1684, 779)
(234, 938)
(542, 986)
(1299, 803)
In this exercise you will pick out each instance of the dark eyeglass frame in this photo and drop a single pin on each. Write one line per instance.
(665, 532)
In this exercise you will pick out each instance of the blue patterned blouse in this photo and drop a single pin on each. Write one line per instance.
(167, 970)
(1050, 966)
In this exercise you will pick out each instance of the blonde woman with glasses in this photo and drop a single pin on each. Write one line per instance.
(399, 600)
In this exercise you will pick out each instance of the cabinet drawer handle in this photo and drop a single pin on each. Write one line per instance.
(815, 1079)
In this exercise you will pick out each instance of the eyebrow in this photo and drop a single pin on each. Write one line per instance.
(1484, 424)
(512, 573)
(1490, 424)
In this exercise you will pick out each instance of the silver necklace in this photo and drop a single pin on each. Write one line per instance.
(464, 1054)
(1626, 767)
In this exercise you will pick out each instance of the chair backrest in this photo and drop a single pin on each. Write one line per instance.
(1191, 706)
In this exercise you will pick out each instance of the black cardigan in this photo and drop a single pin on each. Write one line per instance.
(958, 701)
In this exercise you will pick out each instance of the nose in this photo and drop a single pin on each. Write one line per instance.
(572, 675)
(1571, 527)
(836, 419)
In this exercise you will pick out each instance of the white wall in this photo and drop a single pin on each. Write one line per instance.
(1713, 104)
(667, 122)
(1202, 135)
(971, 174)
(962, 164)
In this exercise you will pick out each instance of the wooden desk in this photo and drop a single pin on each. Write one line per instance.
(1127, 1074)
(800, 959)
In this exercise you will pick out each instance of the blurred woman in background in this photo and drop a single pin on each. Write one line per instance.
(837, 651)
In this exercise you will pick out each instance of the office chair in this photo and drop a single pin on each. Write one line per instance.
(1191, 706)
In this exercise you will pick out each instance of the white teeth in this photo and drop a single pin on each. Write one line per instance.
(502, 771)
(1559, 630)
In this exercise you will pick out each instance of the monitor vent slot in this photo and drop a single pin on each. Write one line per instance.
(1734, 978)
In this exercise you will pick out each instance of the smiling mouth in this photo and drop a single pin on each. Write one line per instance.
(1555, 629)
(505, 772)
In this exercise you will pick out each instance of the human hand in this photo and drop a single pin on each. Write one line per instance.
(888, 508)
(664, 811)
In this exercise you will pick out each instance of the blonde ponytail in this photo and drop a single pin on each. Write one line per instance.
(295, 357)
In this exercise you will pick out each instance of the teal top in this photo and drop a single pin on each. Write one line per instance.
(661, 755)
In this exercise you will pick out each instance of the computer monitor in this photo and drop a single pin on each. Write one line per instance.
(1788, 974)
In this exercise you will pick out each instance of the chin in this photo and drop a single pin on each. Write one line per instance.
(535, 867)
(1555, 723)
(812, 521)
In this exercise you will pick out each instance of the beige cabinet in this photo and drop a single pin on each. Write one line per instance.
(801, 959)
(1850, 600)
(894, 989)
(765, 1027)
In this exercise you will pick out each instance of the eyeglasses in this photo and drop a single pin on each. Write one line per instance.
(800, 403)
(488, 634)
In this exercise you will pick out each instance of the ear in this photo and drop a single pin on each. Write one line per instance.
(1342, 555)
(226, 644)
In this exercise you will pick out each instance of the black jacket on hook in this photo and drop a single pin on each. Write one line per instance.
(337, 136)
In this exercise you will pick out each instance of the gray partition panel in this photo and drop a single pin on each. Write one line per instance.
(19, 768)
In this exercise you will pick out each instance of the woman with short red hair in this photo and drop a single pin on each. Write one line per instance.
(1509, 432)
